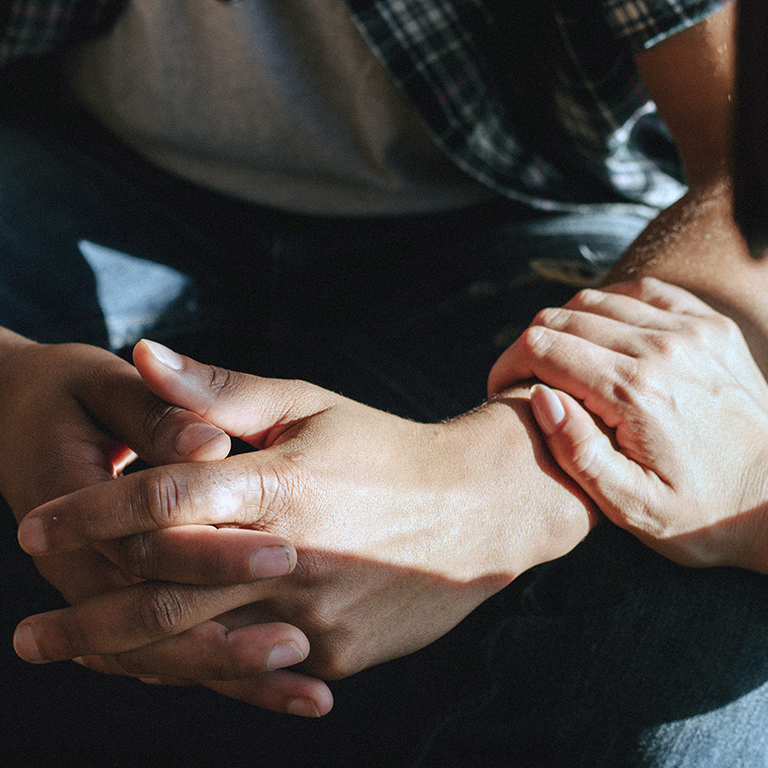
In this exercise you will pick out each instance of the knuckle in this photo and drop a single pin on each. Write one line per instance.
(586, 298)
(697, 329)
(157, 498)
(646, 288)
(279, 489)
(222, 381)
(126, 663)
(536, 341)
(139, 556)
(584, 457)
(640, 518)
(335, 666)
(335, 654)
(666, 344)
(726, 327)
(162, 612)
(549, 317)
(633, 382)
(156, 417)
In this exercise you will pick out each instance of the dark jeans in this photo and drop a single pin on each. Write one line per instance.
(611, 656)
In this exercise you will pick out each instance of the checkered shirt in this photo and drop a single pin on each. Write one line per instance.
(538, 100)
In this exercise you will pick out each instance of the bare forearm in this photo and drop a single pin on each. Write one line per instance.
(695, 244)
(547, 514)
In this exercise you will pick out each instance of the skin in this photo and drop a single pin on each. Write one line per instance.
(361, 495)
(695, 244)
(421, 561)
(89, 406)
(682, 465)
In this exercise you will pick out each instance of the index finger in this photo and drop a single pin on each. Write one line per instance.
(661, 295)
(224, 492)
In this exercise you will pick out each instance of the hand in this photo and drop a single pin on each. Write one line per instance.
(401, 528)
(685, 471)
(69, 414)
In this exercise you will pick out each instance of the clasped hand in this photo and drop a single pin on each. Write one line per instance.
(393, 530)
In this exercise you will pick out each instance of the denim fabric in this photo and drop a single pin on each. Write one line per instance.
(609, 657)
(614, 656)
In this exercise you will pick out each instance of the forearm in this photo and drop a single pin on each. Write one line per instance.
(695, 244)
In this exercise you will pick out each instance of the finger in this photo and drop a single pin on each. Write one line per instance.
(280, 691)
(202, 555)
(615, 483)
(179, 682)
(512, 367)
(618, 323)
(622, 317)
(586, 370)
(236, 491)
(210, 651)
(620, 331)
(82, 573)
(160, 433)
(623, 305)
(126, 619)
(285, 692)
(664, 296)
(557, 358)
(255, 409)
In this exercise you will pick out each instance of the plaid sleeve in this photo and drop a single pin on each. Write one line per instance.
(33, 27)
(643, 23)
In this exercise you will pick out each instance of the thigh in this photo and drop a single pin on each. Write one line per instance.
(615, 656)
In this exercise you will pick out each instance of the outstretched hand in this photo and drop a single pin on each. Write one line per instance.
(683, 463)
(401, 529)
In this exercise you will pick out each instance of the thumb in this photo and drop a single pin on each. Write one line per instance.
(253, 408)
(585, 452)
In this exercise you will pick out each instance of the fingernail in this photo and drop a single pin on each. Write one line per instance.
(547, 408)
(25, 644)
(164, 355)
(271, 561)
(195, 436)
(284, 655)
(302, 708)
(32, 537)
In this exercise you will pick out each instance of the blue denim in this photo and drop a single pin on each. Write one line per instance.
(611, 656)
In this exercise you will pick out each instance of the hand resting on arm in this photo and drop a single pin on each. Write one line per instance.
(683, 466)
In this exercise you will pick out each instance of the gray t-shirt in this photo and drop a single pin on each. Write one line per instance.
(278, 102)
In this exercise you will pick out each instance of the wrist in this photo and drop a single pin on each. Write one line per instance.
(532, 512)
